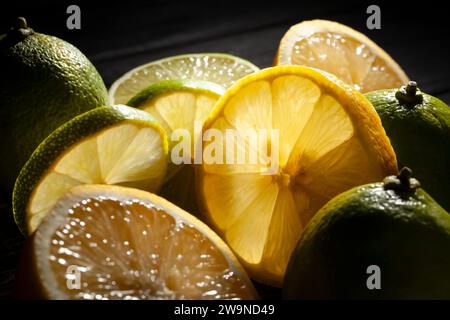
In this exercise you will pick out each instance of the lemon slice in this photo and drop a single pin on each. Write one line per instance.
(180, 105)
(108, 145)
(342, 51)
(222, 69)
(330, 139)
(108, 242)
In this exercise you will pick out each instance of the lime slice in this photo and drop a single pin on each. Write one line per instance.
(108, 242)
(108, 145)
(222, 69)
(179, 105)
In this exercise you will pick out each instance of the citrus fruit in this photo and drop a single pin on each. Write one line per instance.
(44, 82)
(179, 105)
(107, 145)
(342, 51)
(329, 140)
(125, 243)
(394, 227)
(222, 69)
(418, 126)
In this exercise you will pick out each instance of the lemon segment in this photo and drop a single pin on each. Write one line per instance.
(284, 217)
(292, 97)
(330, 139)
(257, 215)
(342, 51)
(234, 161)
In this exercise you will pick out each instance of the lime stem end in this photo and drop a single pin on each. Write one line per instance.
(20, 28)
(402, 182)
(409, 95)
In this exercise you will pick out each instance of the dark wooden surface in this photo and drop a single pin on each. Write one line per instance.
(118, 36)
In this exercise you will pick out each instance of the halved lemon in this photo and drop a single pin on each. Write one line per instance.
(108, 145)
(107, 242)
(342, 51)
(326, 139)
(181, 107)
(222, 69)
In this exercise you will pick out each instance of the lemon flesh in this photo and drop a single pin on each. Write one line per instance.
(129, 148)
(342, 51)
(130, 244)
(330, 139)
(219, 68)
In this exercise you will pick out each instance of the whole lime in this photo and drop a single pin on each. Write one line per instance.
(418, 126)
(44, 82)
(387, 240)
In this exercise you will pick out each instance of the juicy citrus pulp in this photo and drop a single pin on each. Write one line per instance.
(222, 69)
(330, 139)
(179, 105)
(108, 145)
(129, 244)
(342, 51)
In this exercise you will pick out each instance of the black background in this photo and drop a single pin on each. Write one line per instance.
(119, 35)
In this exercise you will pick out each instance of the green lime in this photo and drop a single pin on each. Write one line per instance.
(107, 145)
(222, 69)
(387, 240)
(181, 107)
(44, 82)
(418, 126)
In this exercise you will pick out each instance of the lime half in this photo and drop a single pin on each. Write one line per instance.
(222, 69)
(178, 104)
(181, 107)
(108, 145)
